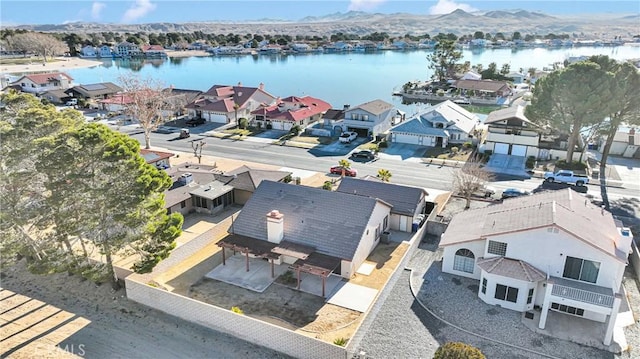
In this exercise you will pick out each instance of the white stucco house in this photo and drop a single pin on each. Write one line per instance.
(40, 83)
(437, 125)
(370, 118)
(408, 202)
(308, 228)
(552, 251)
(222, 104)
(511, 133)
(625, 144)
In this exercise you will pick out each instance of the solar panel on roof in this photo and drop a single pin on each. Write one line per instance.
(94, 87)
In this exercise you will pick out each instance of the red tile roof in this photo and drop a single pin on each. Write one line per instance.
(46, 78)
(224, 105)
(305, 107)
(119, 99)
(239, 94)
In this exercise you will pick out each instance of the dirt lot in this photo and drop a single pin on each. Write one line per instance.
(306, 313)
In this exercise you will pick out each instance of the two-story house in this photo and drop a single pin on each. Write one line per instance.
(40, 83)
(438, 125)
(289, 112)
(511, 133)
(88, 51)
(226, 104)
(549, 252)
(370, 118)
(105, 51)
(126, 49)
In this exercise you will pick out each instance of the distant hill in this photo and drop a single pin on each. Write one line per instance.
(458, 22)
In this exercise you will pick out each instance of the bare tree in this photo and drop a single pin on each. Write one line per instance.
(146, 102)
(197, 149)
(470, 179)
(38, 43)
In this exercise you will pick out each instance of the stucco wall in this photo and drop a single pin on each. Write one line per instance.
(477, 247)
(244, 327)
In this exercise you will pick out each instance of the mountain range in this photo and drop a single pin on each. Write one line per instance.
(458, 22)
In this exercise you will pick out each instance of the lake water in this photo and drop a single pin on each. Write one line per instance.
(339, 79)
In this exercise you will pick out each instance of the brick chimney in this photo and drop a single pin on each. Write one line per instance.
(275, 226)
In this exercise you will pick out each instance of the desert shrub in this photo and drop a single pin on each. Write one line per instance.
(288, 277)
(340, 341)
(455, 150)
(237, 310)
(327, 185)
(440, 92)
(242, 123)
(298, 180)
(288, 179)
(467, 145)
(457, 350)
(383, 144)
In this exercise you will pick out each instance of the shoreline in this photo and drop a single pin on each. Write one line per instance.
(62, 63)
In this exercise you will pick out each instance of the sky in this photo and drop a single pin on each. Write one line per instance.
(31, 12)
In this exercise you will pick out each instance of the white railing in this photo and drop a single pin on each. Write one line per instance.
(515, 139)
(581, 295)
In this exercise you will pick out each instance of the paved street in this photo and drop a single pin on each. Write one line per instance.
(409, 171)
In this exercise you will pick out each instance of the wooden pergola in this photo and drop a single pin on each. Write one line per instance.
(317, 264)
(248, 245)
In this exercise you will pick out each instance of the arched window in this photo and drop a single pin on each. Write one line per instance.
(464, 260)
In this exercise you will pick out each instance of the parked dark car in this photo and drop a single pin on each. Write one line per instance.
(195, 122)
(514, 192)
(366, 155)
(349, 172)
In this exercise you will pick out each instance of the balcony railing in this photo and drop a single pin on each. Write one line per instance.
(581, 295)
(515, 139)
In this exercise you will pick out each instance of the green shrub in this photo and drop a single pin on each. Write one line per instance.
(440, 92)
(531, 162)
(564, 165)
(455, 150)
(457, 350)
(295, 130)
(237, 310)
(288, 277)
(327, 185)
(383, 144)
(242, 123)
(340, 341)
(467, 145)
(288, 179)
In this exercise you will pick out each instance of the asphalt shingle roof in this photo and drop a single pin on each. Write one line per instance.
(332, 222)
(404, 199)
(561, 209)
(245, 178)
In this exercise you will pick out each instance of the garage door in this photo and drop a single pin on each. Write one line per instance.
(502, 148)
(217, 118)
(519, 150)
(400, 138)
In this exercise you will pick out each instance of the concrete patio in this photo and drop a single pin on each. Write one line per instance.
(507, 165)
(257, 279)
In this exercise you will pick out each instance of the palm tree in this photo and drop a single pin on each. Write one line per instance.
(236, 107)
(384, 175)
(345, 166)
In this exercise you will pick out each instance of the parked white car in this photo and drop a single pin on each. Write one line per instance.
(567, 177)
(348, 136)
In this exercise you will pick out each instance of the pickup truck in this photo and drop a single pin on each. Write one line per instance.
(567, 177)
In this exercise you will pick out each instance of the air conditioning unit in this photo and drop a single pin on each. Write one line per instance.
(384, 237)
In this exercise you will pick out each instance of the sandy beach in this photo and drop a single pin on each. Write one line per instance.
(60, 64)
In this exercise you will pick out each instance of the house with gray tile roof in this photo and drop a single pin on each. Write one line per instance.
(370, 118)
(511, 133)
(407, 202)
(203, 188)
(437, 125)
(554, 251)
(322, 227)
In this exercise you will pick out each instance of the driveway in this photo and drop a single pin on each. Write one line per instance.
(506, 165)
(404, 152)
